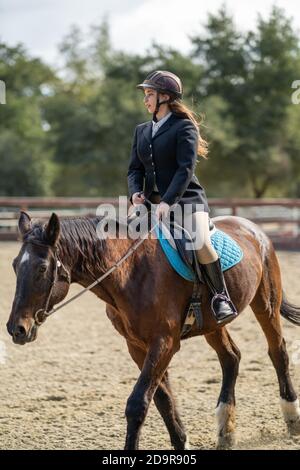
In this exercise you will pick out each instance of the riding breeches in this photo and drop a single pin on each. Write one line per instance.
(197, 223)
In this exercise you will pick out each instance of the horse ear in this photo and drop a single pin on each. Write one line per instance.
(24, 223)
(52, 230)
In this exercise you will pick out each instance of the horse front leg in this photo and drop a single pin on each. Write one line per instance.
(157, 359)
(165, 403)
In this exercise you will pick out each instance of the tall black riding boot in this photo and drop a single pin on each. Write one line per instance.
(221, 304)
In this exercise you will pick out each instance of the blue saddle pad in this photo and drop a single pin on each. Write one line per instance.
(229, 251)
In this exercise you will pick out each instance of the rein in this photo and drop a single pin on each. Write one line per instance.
(42, 314)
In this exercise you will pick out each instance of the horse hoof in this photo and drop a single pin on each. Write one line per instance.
(226, 442)
(291, 413)
(182, 445)
(294, 427)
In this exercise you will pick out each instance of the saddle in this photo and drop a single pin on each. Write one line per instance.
(185, 263)
(179, 238)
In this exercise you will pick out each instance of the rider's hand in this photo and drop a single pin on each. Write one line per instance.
(162, 210)
(138, 198)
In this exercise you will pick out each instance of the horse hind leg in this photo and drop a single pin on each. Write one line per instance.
(229, 357)
(266, 307)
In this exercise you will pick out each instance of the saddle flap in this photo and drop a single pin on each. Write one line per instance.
(182, 241)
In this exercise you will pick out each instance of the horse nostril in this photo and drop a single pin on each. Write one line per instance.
(20, 331)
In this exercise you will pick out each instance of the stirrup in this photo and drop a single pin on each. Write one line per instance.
(227, 299)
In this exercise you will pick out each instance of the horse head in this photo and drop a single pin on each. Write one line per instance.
(42, 279)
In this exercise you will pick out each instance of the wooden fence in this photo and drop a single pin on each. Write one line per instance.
(280, 218)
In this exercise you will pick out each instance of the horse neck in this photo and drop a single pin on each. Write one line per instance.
(87, 258)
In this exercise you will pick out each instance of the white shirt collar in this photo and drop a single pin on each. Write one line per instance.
(162, 120)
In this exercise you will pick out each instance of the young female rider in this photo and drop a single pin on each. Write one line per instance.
(161, 169)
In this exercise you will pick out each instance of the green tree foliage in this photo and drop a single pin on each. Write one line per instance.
(24, 158)
(252, 74)
(92, 116)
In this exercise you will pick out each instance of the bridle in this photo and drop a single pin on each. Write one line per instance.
(42, 313)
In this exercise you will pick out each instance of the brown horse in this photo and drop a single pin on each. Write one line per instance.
(146, 300)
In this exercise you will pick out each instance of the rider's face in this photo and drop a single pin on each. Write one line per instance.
(150, 99)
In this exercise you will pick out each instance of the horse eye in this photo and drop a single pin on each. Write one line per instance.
(42, 268)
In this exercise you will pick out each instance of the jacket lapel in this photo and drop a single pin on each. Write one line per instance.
(166, 125)
(147, 129)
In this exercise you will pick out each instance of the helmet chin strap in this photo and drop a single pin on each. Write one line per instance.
(158, 103)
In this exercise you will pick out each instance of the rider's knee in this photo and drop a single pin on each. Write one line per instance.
(206, 247)
(202, 241)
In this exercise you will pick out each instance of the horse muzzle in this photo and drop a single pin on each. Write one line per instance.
(22, 332)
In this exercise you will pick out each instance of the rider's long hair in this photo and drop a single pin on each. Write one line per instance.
(181, 110)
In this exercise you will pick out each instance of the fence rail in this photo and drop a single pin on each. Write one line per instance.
(279, 218)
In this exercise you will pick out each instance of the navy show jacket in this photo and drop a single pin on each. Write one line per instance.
(169, 159)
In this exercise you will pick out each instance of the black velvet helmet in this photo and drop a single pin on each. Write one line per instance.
(163, 82)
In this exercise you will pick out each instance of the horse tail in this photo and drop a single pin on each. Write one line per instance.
(289, 311)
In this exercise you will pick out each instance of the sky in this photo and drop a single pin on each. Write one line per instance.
(134, 24)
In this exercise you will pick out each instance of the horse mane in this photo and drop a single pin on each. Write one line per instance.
(78, 235)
